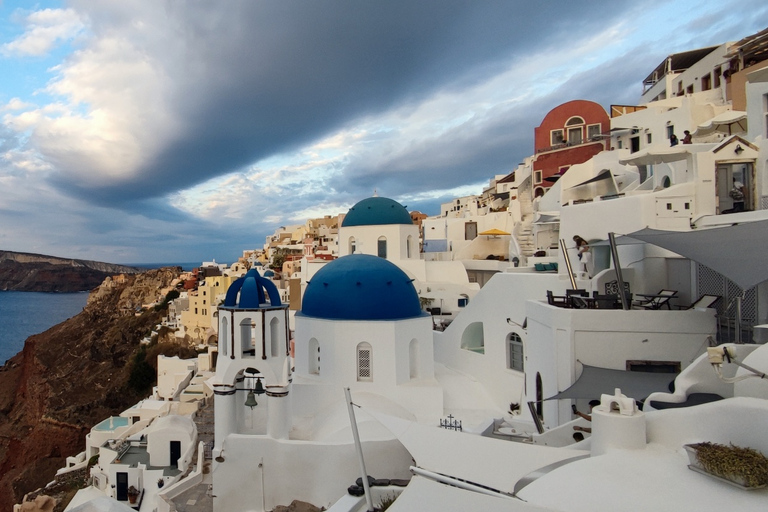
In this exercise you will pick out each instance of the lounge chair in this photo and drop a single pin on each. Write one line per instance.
(656, 301)
(703, 302)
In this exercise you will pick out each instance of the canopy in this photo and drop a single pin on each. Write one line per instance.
(663, 155)
(602, 175)
(739, 251)
(595, 382)
(730, 122)
(494, 232)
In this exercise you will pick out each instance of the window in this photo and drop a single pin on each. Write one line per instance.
(314, 357)
(472, 338)
(537, 177)
(557, 137)
(575, 135)
(706, 82)
(593, 131)
(515, 359)
(408, 244)
(364, 362)
(195, 310)
(413, 358)
(765, 113)
(247, 345)
(223, 336)
(689, 89)
(649, 138)
(575, 120)
(717, 72)
(382, 247)
(274, 337)
(352, 245)
(670, 131)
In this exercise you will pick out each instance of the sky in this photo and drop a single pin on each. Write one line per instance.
(184, 131)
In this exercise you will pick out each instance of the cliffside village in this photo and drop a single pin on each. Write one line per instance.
(495, 272)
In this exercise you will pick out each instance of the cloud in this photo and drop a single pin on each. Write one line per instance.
(43, 30)
(195, 128)
(161, 94)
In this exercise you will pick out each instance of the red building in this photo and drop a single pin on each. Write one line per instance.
(570, 134)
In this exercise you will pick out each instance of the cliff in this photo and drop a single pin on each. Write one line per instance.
(38, 273)
(69, 378)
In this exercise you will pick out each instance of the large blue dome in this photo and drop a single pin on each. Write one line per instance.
(248, 292)
(376, 211)
(361, 287)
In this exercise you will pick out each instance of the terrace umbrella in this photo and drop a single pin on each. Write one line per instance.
(730, 122)
(494, 232)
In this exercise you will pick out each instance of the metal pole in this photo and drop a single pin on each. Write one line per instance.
(617, 266)
(359, 449)
(568, 264)
(738, 318)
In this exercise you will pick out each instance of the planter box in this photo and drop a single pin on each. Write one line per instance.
(733, 480)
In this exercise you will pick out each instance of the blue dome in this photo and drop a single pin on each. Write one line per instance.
(268, 273)
(251, 288)
(361, 287)
(376, 211)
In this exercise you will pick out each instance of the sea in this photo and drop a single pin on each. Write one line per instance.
(23, 314)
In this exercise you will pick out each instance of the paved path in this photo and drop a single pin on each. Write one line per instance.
(199, 499)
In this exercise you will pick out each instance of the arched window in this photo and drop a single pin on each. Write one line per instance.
(364, 362)
(472, 338)
(575, 127)
(223, 336)
(408, 244)
(574, 121)
(246, 337)
(274, 336)
(352, 245)
(382, 246)
(413, 358)
(515, 355)
(313, 355)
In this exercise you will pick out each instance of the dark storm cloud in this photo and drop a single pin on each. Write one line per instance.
(251, 79)
(495, 143)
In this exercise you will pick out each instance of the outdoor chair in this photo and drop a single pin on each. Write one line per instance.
(656, 301)
(703, 302)
(555, 300)
(606, 301)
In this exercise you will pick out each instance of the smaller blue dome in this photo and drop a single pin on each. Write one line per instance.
(361, 287)
(248, 292)
(268, 273)
(376, 211)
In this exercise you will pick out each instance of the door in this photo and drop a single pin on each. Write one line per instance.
(470, 230)
(734, 187)
(175, 453)
(121, 487)
(634, 143)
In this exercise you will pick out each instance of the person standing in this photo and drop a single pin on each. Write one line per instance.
(687, 138)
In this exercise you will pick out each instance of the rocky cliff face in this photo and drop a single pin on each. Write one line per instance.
(69, 378)
(38, 273)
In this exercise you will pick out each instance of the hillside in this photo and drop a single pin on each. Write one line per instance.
(39, 273)
(69, 378)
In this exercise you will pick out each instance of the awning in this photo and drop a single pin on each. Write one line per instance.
(730, 122)
(494, 232)
(595, 382)
(739, 252)
(602, 175)
(662, 155)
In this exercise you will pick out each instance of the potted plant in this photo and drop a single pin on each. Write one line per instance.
(744, 467)
(133, 493)
(160, 483)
